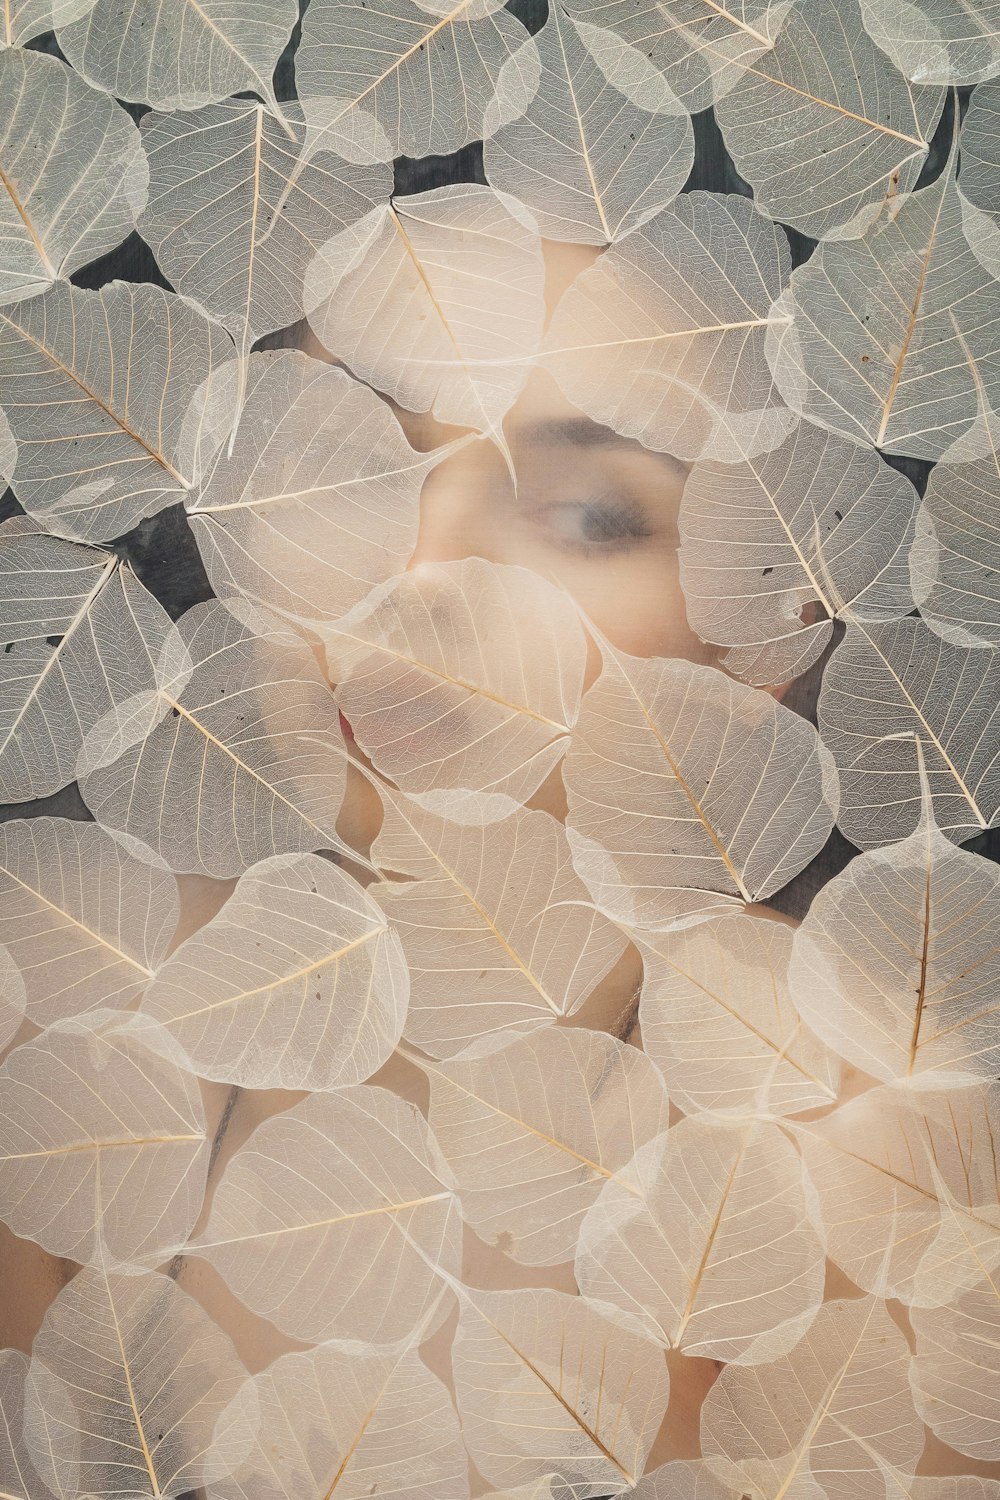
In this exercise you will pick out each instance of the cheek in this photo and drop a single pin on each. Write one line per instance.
(637, 602)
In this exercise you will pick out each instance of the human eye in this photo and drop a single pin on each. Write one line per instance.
(594, 526)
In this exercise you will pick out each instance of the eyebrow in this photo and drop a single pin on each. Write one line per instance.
(580, 432)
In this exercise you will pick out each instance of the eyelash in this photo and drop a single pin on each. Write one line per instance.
(624, 522)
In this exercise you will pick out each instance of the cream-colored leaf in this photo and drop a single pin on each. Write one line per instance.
(81, 638)
(663, 338)
(819, 524)
(530, 1154)
(496, 927)
(427, 72)
(956, 1370)
(938, 41)
(128, 1376)
(236, 214)
(22, 20)
(952, 559)
(887, 685)
(179, 54)
(461, 675)
(18, 1477)
(897, 964)
(845, 130)
(980, 150)
(97, 447)
(85, 922)
(320, 500)
(718, 1020)
(718, 1256)
(891, 338)
(688, 791)
(103, 1144)
(298, 982)
(683, 1479)
(72, 174)
(602, 144)
(340, 1425)
(248, 761)
(331, 1220)
(895, 1171)
(819, 1418)
(436, 300)
(700, 46)
(13, 997)
(546, 1382)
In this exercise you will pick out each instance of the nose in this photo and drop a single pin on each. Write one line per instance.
(456, 517)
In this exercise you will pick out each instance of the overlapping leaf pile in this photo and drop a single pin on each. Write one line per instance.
(808, 1108)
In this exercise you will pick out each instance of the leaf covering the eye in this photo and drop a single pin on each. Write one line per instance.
(844, 133)
(546, 1381)
(658, 343)
(436, 300)
(297, 983)
(128, 1377)
(528, 1158)
(248, 761)
(888, 684)
(497, 929)
(937, 41)
(334, 1422)
(687, 791)
(892, 338)
(85, 922)
(896, 964)
(102, 1141)
(179, 54)
(461, 675)
(719, 1255)
(81, 639)
(236, 211)
(320, 499)
(823, 1414)
(331, 1218)
(427, 72)
(599, 143)
(819, 521)
(78, 198)
(98, 448)
(719, 1022)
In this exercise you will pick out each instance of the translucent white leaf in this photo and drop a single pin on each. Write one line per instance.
(320, 499)
(956, 1371)
(687, 790)
(602, 143)
(179, 54)
(98, 449)
(332, 1217)
(818, 521)
(427, 72)
(844, 130)
(436, 300)
(819, 1416)
(8, 451)
(547, 1382)
(719, 1256)
(980, 150)
(952, 561)
(892, 338)
(700, 46)
(718, 1020)
(937, 41)
(345, 1424)
(103, 1142)
(496, 928)
(85, 922)
(18, 1477)
(21, 20)
(249, 760)
(81, 638)
(72, 173)
(893, 1170)
(297, 983)
(461, 674)
(896, 963)
(530, 1155)
(683, 1479)
(236, 213)
(663, 338)
(128, 1376)
(13, 997)
(886, 685)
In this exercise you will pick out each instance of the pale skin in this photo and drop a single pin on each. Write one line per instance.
(598, 515)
